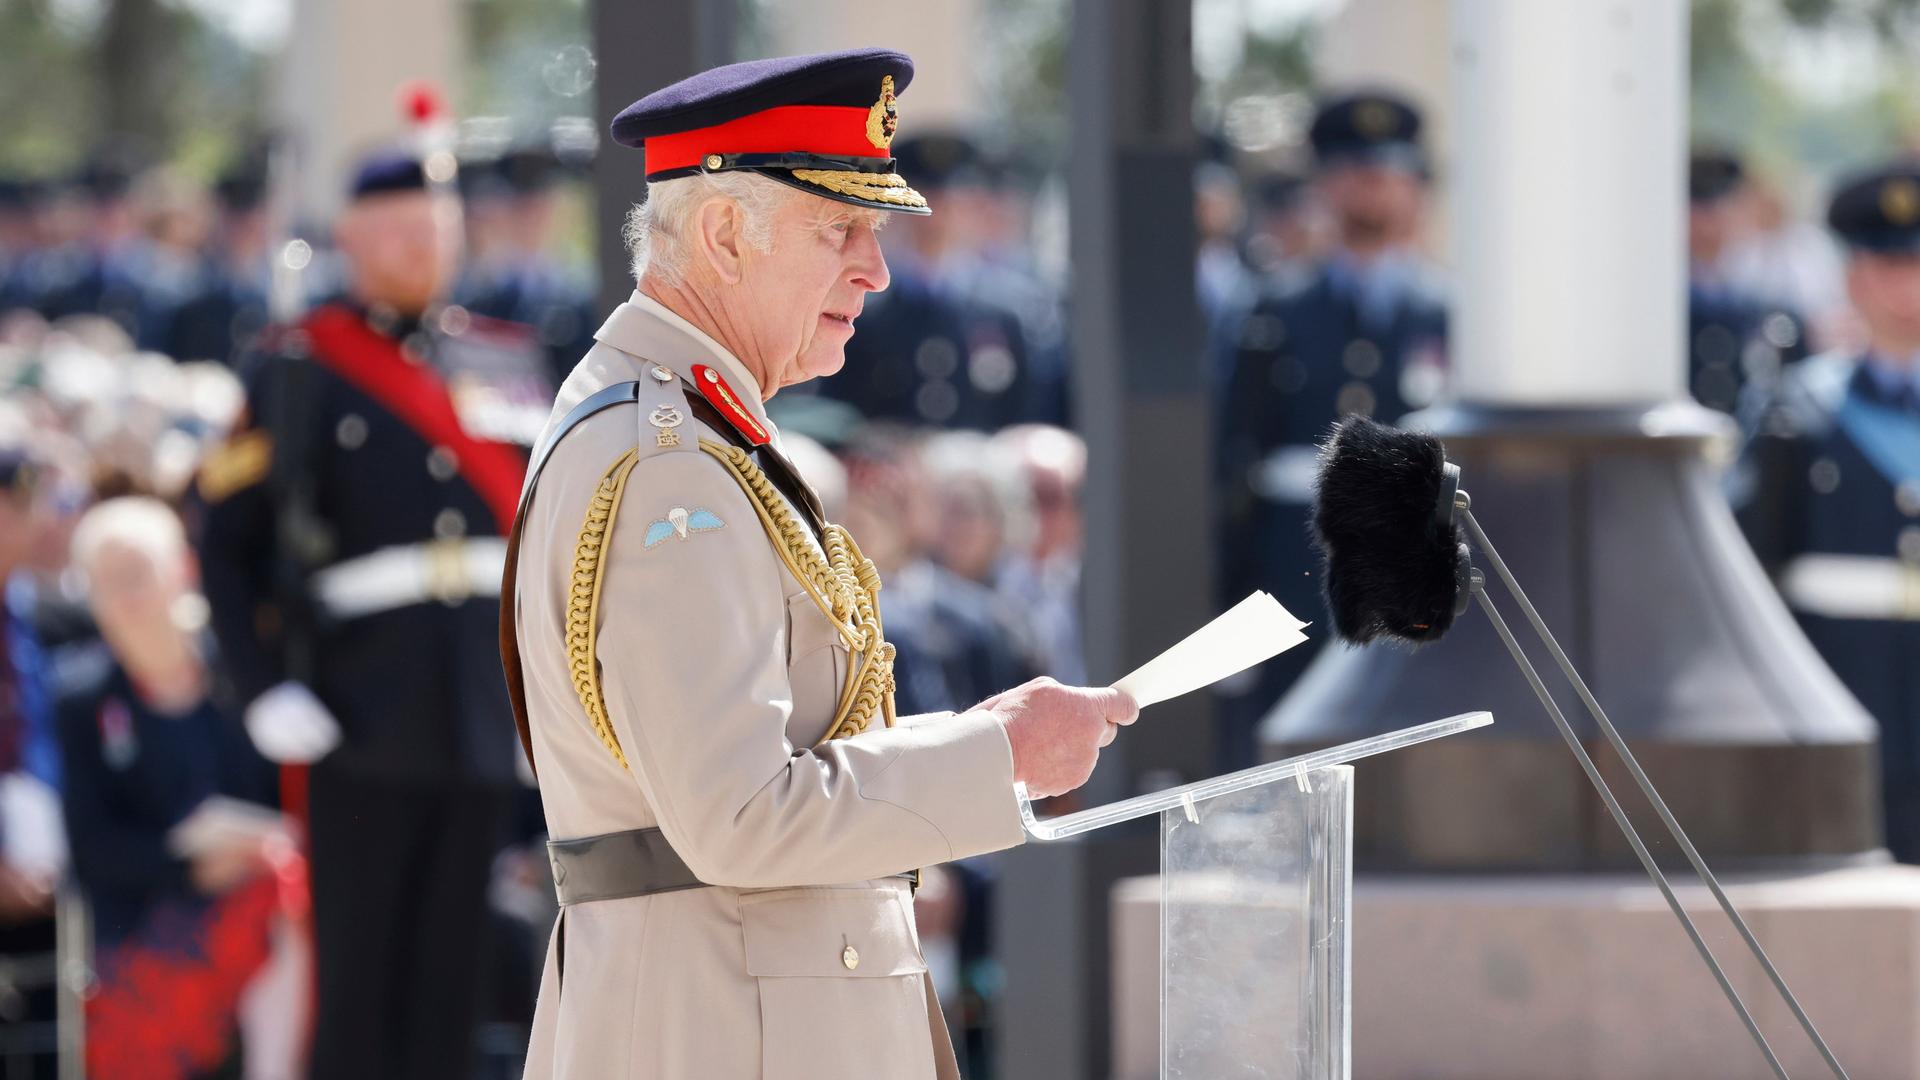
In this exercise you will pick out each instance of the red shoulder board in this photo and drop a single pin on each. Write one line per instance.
(716, 390)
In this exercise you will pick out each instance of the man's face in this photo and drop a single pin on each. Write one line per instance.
(132, 594)
(1372, 204)
(799, 301)
(402, 248)
(1886, 291)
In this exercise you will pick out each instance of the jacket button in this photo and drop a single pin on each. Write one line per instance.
(850, 956)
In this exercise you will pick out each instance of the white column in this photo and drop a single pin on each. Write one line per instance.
(340, 79)
(1567, 196)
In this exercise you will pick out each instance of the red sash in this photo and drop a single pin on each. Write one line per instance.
(375, 365)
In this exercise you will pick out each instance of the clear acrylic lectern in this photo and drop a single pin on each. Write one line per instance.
(1255, 871)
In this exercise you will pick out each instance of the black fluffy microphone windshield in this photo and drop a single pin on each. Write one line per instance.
(1396, 563)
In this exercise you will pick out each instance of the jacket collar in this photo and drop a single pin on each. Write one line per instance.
(645, 328)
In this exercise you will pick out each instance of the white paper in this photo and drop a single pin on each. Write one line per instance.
(1252, 630)
(220, 821)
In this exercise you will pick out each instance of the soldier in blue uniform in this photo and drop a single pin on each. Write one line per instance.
(1829, 489)
(1734, 339)
(928, 354)
(1360, 332)
(521, 281)
(229, 310)
(353, 544)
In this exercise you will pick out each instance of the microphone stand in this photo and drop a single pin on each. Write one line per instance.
(1461, 504)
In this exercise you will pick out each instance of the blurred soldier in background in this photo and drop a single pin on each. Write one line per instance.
(1223, 281)
(1829, 492)
(221, 321)
(512, 273)
(17, 240)
(926, 352)
(353, 551)
(1362, 332)
(186, 870)
(1734, 338)
(1288, 228)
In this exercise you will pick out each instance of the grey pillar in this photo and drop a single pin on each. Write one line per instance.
(1139, 365)
(1141, 402)
(642, 47)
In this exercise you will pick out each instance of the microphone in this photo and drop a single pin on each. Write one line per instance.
(1396, 562)
(1392, 526)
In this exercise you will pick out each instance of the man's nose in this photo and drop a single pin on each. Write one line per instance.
(868, 262)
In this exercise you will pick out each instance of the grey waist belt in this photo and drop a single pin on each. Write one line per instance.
(637, 862)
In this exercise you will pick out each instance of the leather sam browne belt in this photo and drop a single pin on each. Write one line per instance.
(637, 862)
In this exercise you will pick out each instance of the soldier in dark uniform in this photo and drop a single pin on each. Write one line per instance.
(1734, 339)
(16, 238)
(1361, 332)
(927, 354)
(353, 549)
(222, 319)
(1829, 489)
(520, 281)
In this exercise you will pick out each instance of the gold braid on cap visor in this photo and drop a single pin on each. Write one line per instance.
(841, 581)
(875, 187)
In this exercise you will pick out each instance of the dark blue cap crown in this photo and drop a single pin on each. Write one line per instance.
(728, 93)
(823, 123)
(1879, 210)
(387, 171)
(1713, 175)
(1374, 127)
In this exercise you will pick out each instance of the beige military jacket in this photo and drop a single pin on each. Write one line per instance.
(715, 674)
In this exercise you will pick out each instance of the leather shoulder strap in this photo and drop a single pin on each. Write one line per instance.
(617, 394)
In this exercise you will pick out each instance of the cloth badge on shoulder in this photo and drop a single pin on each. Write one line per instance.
(681, 522)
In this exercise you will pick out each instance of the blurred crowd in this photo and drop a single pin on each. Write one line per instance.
(135, 307)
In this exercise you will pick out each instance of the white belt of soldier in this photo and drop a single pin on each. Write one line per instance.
(1852, 587)
(444, 571)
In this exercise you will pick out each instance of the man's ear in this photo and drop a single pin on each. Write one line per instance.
(718, 232)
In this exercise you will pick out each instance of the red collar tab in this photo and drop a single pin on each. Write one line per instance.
(834, 130)
(716, 390)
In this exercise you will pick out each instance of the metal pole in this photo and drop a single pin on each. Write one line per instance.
(642, 47)
(1140, 400)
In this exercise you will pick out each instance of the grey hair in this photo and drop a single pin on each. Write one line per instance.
(657, 230)
(140, 522)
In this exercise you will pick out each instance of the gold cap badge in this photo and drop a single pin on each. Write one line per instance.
(1375, 119)
(1900, 201)
(884, 117)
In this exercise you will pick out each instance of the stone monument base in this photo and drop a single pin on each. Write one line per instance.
(1580, 977)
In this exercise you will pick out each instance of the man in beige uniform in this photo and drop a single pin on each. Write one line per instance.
(706, 686)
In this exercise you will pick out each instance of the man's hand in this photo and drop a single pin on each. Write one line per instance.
(290, 726)
(23, 895)
(215, 872)
(1057, 731)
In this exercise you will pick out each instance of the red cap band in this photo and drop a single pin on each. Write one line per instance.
(838, 130)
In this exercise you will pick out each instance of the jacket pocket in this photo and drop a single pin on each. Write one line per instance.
(808, 630)
(842, 984)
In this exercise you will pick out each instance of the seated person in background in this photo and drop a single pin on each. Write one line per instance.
(186, 869)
